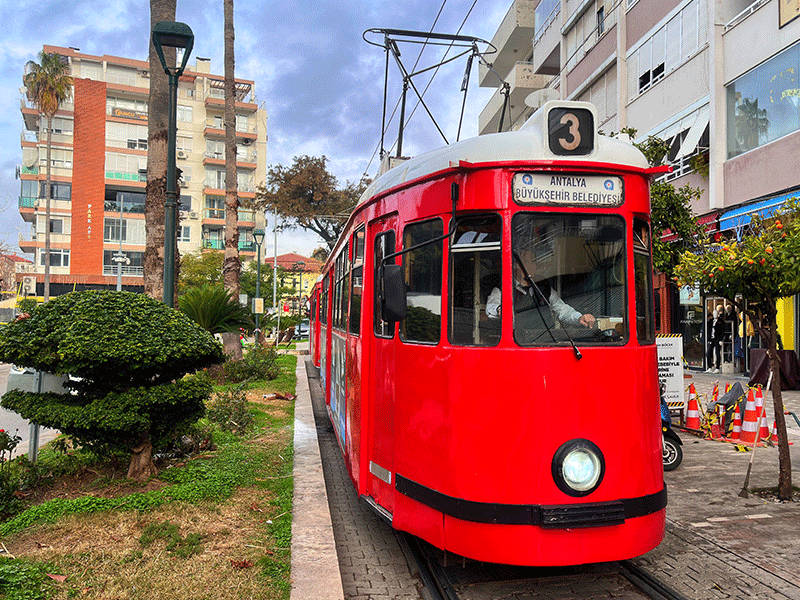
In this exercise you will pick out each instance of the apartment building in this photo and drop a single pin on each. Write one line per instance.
(719, 81)
(99, 168)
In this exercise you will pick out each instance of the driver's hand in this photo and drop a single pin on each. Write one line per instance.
(587, 320)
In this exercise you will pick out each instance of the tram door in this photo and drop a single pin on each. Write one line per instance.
(381, 361)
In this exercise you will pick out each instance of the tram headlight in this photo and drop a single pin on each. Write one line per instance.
(578, 467)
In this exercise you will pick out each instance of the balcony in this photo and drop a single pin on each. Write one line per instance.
(213, 244)
(513, 40)
(547, 39)
(523, 81)
(25, 202)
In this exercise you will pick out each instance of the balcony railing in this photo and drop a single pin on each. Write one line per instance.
(27, 202)
(126, 176)
(29, 170)
(214, 213)
(247, 246)
(126, 270)
(244, 186)
(214, 244)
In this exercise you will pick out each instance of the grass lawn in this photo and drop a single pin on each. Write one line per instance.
(213, 525)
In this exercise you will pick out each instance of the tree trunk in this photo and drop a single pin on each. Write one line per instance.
(784, 458)
(232, 345)
(47, 195)
(157, 122)
(232, 267)
(142, 467)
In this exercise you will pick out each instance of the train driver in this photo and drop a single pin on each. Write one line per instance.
(525, 296)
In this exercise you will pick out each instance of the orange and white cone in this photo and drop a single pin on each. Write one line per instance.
(774, 438)
(763, 432)
(736, 434)
(750, 423)
(692, 410)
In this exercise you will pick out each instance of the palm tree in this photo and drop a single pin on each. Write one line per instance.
(48, 85)
(232, 267)
(216, 310)
(157, 123)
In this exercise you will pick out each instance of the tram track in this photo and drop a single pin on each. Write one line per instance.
(444, 578)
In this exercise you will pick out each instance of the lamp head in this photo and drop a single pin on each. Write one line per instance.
(172, 34)
(258, 236)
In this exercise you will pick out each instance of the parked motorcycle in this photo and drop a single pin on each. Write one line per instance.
(671, 444)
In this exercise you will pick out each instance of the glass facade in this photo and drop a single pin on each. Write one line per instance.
(764, 103)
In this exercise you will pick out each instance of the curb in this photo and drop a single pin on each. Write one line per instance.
(315, 565)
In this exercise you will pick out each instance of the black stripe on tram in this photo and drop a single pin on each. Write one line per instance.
(567, 516)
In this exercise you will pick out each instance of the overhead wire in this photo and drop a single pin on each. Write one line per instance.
(397, 104)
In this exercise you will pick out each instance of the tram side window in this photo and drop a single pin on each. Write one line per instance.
(423, 274)
(384, 244)
(323, 302)
(474, 273)
(343, 289)
(643, 275)
(357, 282)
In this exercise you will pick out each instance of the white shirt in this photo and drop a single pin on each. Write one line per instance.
(563, 311)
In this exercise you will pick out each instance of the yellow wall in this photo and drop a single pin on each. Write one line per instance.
(785, 318)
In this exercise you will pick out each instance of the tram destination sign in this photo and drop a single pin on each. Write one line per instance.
(560, 188)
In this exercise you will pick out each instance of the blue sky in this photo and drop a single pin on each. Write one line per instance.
(320, 83)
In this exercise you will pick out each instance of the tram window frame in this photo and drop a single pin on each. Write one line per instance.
(385, 243)
(643, 282)
(594, 282)
(323, 308)
(479, 257)
(424, 330)
(356, 282)
(342, 289)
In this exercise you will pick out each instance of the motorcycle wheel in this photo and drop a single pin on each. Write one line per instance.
(672, 455)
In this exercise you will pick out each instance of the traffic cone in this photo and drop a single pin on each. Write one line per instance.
(727, 387)
(736, 434)
(715, 393)
(774, 438)
(750, 423)
(692, 410)
(763, 432)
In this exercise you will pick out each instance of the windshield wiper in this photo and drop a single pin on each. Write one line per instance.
(532, 283)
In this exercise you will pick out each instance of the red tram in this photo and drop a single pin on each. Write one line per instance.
(485, 332)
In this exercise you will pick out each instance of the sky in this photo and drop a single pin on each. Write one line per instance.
(319, 81)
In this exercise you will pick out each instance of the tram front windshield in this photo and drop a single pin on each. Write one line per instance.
(569, 279)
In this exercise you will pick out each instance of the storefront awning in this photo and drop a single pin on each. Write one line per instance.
(742, 215)
(708, 222)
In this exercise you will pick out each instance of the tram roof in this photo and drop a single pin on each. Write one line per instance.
(529, 143)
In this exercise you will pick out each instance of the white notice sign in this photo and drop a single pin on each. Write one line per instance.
(670, 367)
(558, 188)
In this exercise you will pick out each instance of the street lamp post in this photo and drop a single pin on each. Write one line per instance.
(172, 35)
(277, 315)
(119, 257)
(258, 236)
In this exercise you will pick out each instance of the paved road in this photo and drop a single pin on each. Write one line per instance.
(11, 421)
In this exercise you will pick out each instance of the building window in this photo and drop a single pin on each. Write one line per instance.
(58, 257)
(134, 267)
(185, 234)
(668, 47)
(601, 17)
(56, 226)
(112, 230)
(58, 191)
(764, 103)
(185, 114)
